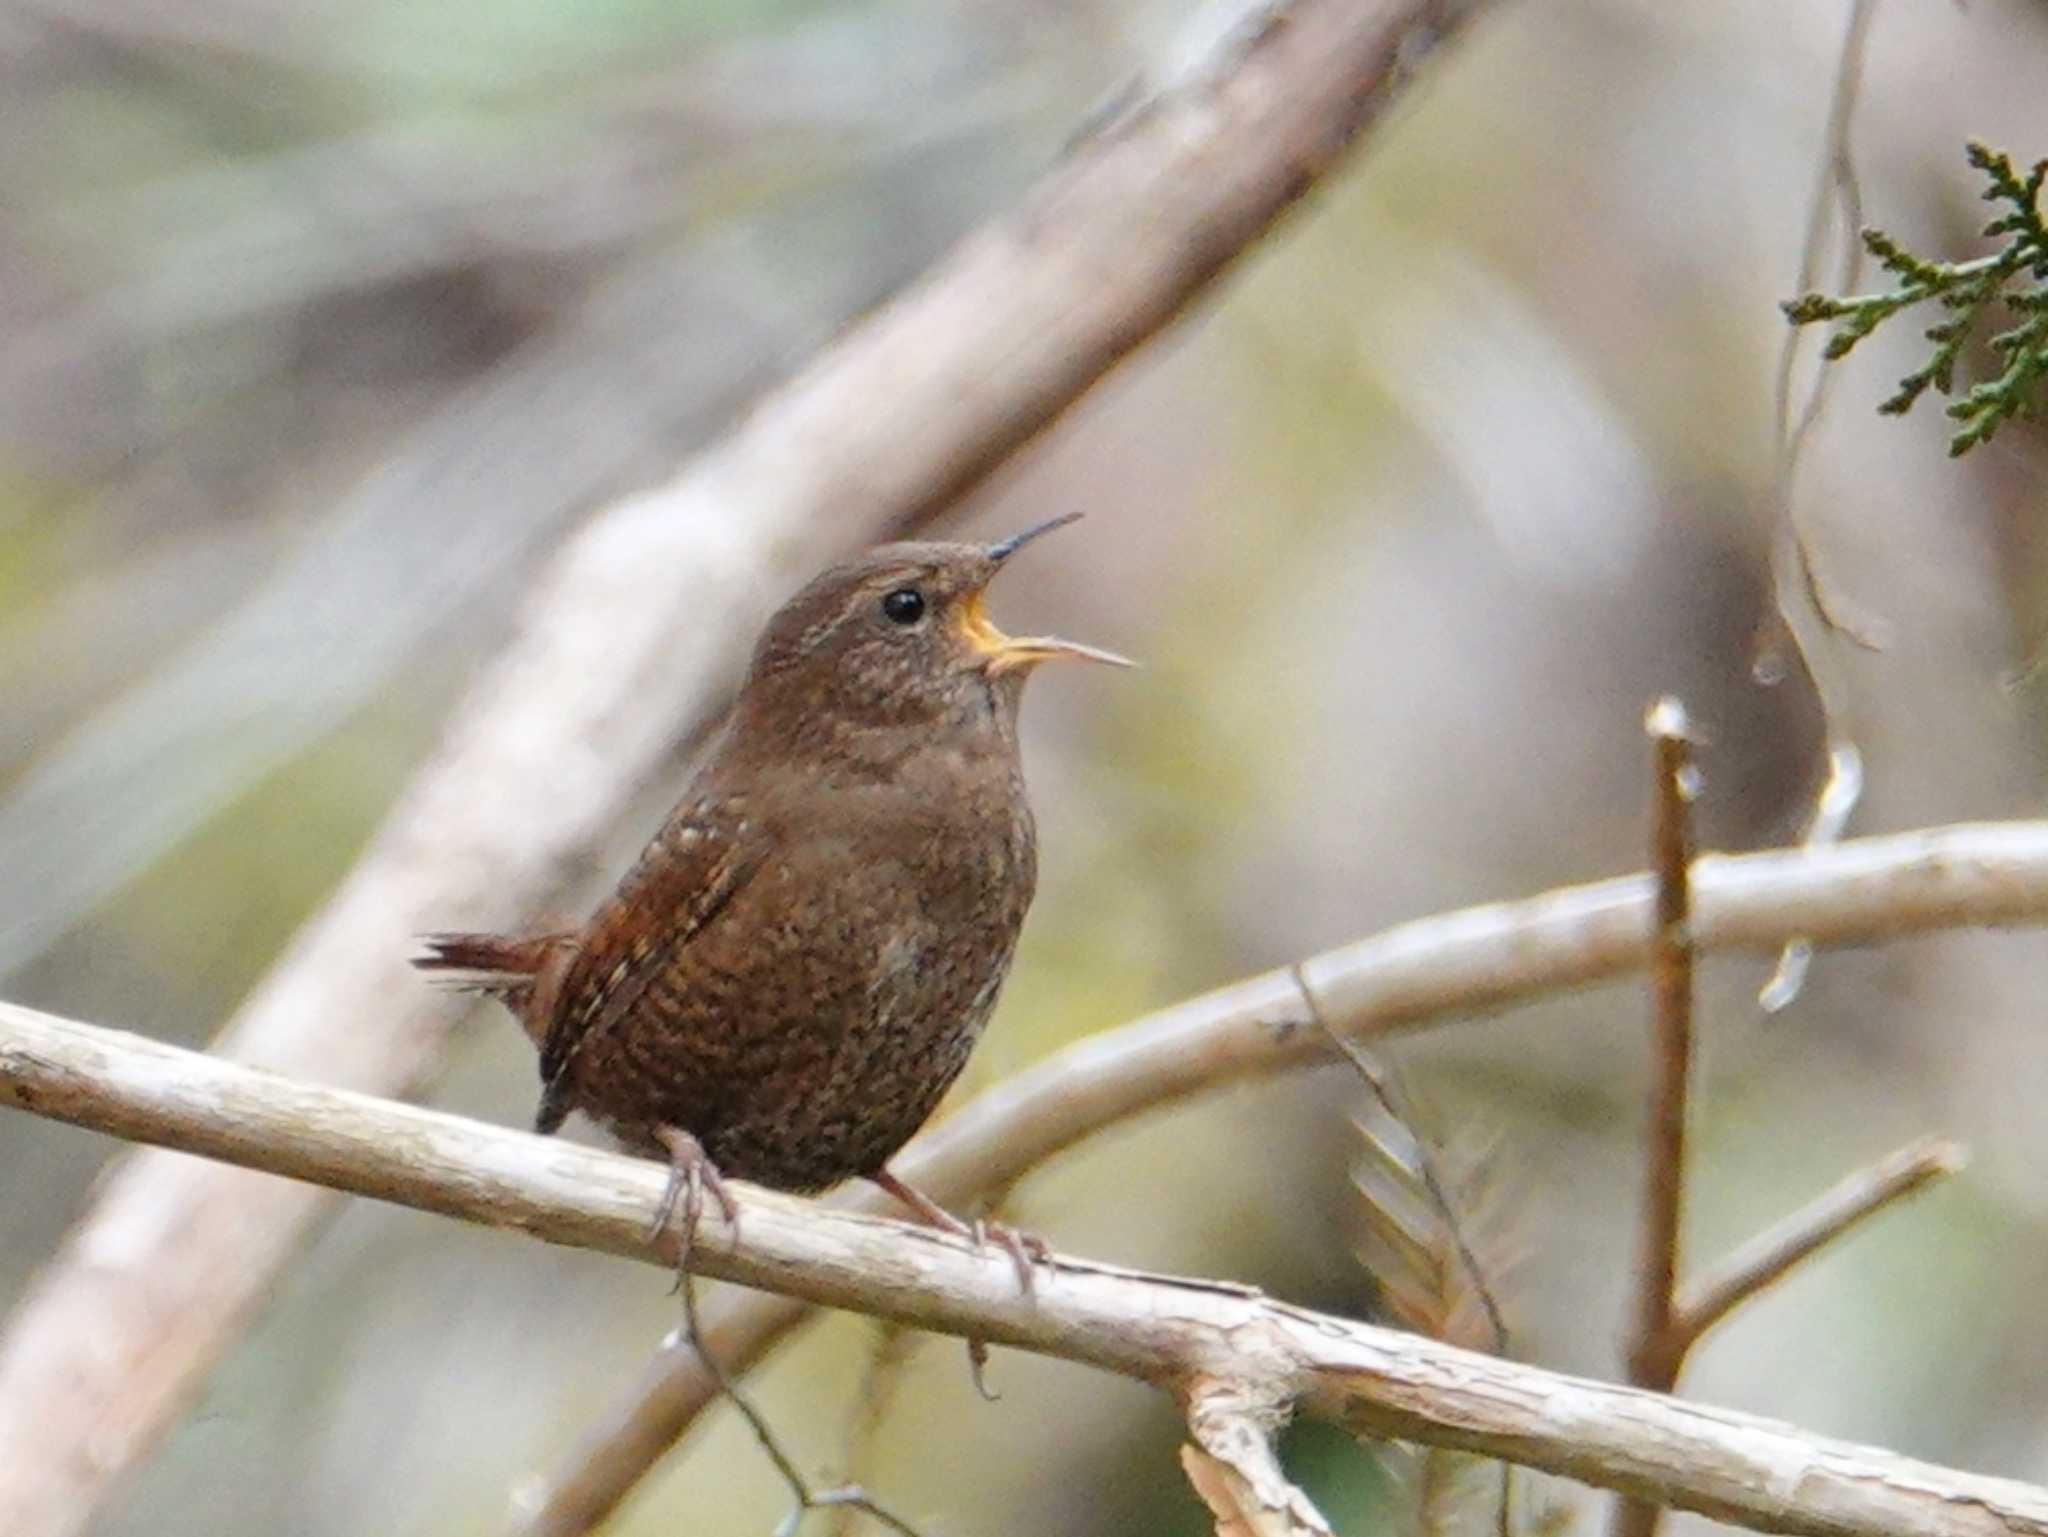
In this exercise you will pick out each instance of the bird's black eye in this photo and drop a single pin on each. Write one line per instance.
(904, 606)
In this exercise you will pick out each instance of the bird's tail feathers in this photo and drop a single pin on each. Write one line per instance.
(507, 967)
(496, 955)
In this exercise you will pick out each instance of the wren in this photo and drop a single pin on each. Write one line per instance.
(795, 970)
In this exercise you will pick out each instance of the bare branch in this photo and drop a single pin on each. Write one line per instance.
(1177, 1333)
(846, 1498)
(1709, 1298)
(1452, 964)
(629, 642)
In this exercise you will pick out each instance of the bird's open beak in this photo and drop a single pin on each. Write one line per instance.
(1003, 549)
(1007, 653)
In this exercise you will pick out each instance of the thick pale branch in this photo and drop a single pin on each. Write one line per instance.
(1183, 1335)
(627, 646)
(1452, 964)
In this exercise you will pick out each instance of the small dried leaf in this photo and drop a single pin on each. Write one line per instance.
(1412, 1245)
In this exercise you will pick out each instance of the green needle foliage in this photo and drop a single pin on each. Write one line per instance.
(1967, 291)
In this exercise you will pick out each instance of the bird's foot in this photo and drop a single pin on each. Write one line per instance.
(690, 1173)
(1022, 1247)
(1025, 1249)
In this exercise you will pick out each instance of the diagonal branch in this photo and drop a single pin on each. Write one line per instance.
(1179, 1334)
(1707, 1299)
(626, 647)
(1449, 965)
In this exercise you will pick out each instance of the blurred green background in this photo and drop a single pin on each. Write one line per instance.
(320, 324)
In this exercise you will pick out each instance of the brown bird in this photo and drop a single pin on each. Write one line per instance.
(796, 969)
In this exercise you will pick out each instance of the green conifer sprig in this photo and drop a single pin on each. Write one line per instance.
(1967, 291)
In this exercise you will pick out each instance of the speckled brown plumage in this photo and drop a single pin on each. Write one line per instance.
(798, 965)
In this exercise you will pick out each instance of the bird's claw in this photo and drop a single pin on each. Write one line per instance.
(1024, 1249)
(977, 1369)
(690, 1174)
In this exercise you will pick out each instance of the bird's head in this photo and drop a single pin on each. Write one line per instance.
(900, 636)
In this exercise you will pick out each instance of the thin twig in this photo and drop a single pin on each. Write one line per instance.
(1808, 608)
(1450, 965)
(1707, 1299)
(889, 1356)
(845, 1497)
(1382, 1383)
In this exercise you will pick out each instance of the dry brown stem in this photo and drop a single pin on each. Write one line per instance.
(1200, 1339)
(1667, 1323)
(1654, 1349)
(1671, 956)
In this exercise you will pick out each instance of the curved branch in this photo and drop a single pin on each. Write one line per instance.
(626, 648)
(1185, 1335)
(1452, 964)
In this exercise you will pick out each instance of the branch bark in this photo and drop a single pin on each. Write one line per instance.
(1452, 964)
(1231, 1461)
(627, 647)
(1196, 1338)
